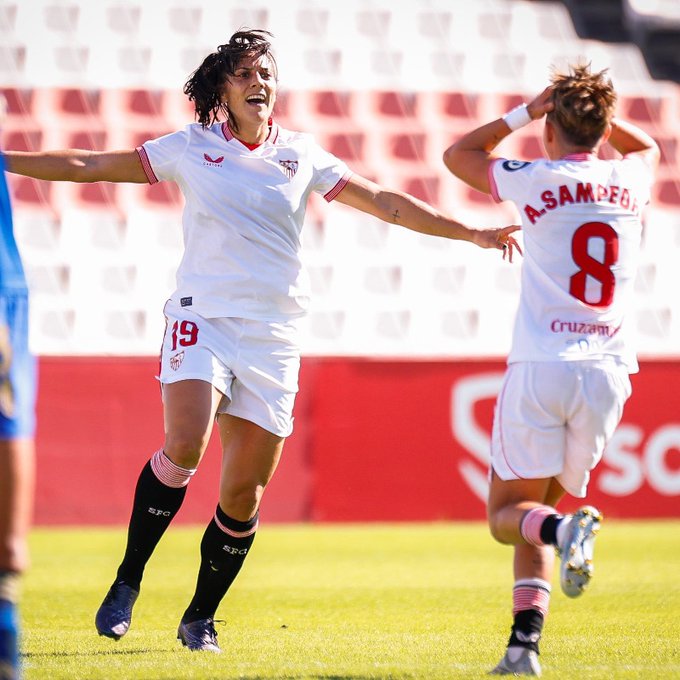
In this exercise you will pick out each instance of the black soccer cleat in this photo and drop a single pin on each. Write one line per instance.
(115, 613)
(199, 636)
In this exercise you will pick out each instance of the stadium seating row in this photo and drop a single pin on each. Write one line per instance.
(394, 137)
(430, 45)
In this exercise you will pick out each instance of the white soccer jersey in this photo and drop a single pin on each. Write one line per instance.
(582, 230)
(243, 214)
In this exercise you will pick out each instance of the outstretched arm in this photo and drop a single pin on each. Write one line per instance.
(470, 157)
(76, 165)
(407, 211)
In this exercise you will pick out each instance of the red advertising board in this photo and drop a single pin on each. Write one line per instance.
(373, 441)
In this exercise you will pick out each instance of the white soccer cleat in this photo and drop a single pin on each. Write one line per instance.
(576, 553)
(518, 661)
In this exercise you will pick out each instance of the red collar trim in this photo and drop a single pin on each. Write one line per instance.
(579, 157)
(271, 137)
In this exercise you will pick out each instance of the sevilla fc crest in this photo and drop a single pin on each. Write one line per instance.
(176, 361)
(289, 168)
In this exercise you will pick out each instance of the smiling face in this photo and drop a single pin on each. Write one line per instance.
(250, 95)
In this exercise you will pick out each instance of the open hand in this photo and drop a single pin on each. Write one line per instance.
(541, 104)
(500, 239)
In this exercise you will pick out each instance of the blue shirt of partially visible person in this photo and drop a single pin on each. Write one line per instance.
(17, 364)
(12, 277)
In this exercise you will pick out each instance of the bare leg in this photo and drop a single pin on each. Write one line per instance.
(189, 408)
(509, 502)
(17, 482)
(249, 459)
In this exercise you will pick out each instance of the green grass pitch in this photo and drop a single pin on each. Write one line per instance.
(333, 602)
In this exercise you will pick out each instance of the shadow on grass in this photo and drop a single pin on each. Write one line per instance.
(92, 652)
(323, 677)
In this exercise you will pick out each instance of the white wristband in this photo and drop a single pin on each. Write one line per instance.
(517, 117)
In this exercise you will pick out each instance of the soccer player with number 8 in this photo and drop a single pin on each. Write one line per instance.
(568, 370)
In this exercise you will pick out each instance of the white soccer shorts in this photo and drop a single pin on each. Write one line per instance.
(255, 364)
(554, 419)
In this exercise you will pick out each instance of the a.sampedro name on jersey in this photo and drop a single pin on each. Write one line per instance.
(574, 307)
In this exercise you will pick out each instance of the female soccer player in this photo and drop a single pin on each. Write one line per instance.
(230, 352)
(567, 376)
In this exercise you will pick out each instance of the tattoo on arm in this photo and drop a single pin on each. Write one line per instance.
(395, 216)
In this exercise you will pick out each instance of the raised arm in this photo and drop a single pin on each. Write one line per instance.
(470, 157)
(629, 139)
(407, 211)
(76, 165)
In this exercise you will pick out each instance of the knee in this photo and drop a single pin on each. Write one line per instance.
(241, 501)
(184, 450)
(496, 528)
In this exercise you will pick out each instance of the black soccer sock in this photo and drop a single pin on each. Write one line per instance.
(526, 629)
(159, 494)
(549, 529)
(530, 602)
(224, 548)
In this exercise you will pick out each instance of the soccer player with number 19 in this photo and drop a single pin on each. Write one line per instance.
(567, 378)
(231, 351)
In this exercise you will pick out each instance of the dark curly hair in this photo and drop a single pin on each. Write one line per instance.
(584, 104)
(204, 87)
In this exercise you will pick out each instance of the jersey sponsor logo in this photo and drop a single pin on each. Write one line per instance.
(176, 361)
(583, 328)
(186, 301)
(289, 168)
(511, 166)
(214, 162)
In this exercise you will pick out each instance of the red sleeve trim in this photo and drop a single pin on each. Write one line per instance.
(146, 165)
(339, 186)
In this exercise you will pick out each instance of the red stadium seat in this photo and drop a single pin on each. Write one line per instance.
(331, 104)
(92, 139)
(669, 151)
(23, 139)
(385, 111)
(19, 101)
(96, 195)
(424, 187)
(163, 194)
(29, 193)
(407, 147)
(350, 147)
(530, 148)
(640, 109)
(63, 111)
(667, 192)
(396, 104)
(478, 198)
(132, 108)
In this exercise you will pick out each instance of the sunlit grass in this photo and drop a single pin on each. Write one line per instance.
(427, 601)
